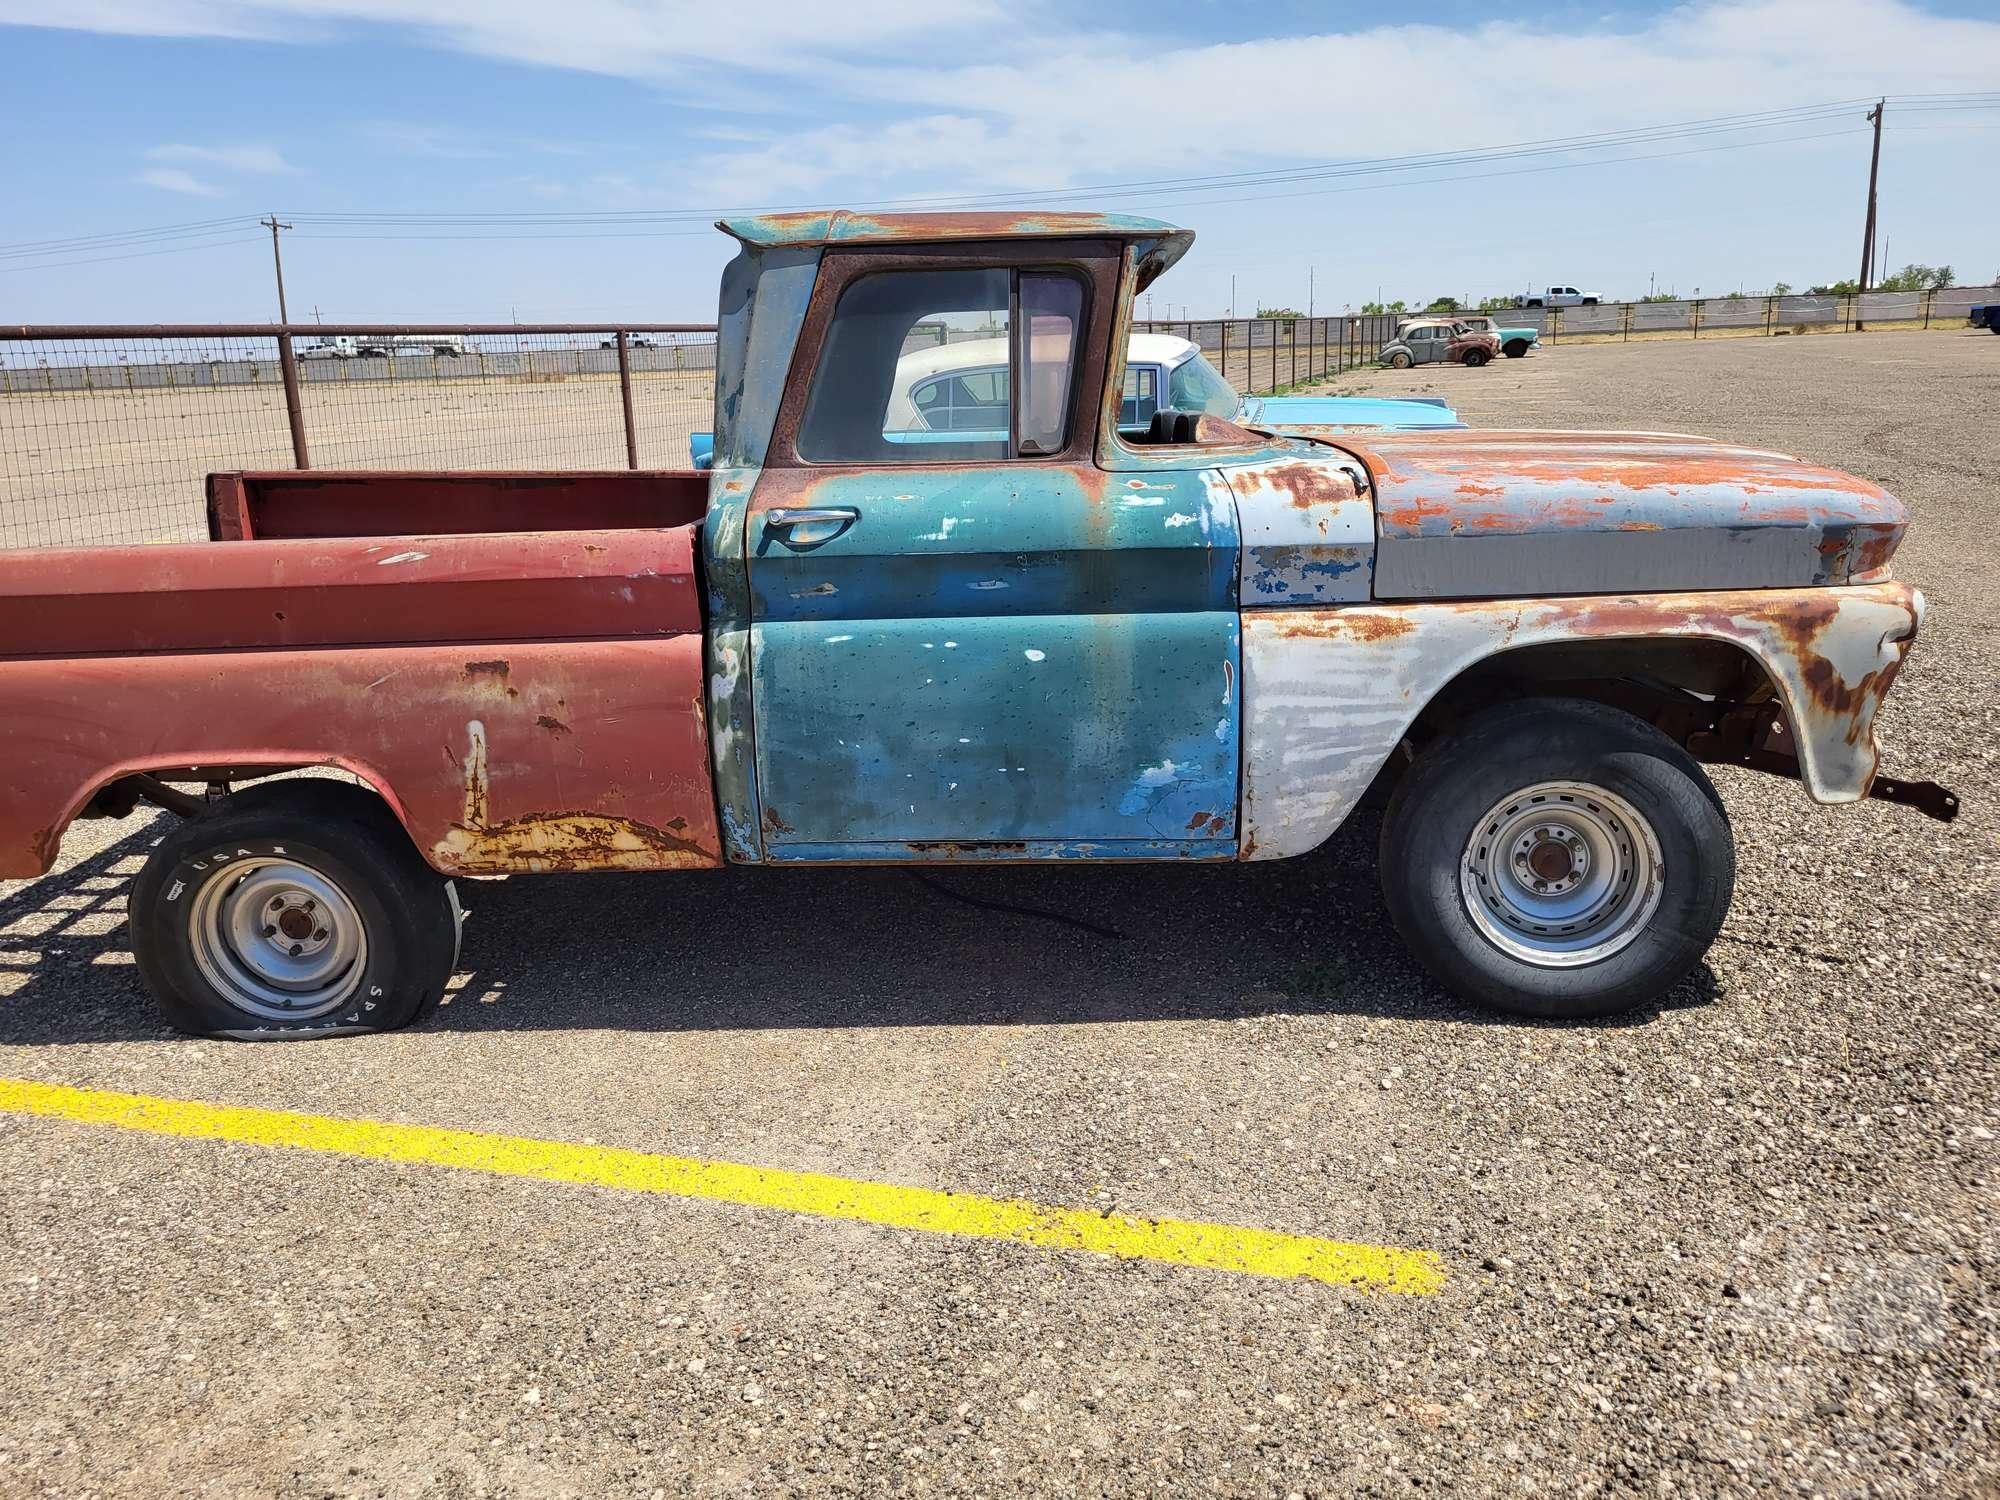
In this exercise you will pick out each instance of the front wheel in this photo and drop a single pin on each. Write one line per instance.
(1557, 858)
(1476, 357)
(293, 909)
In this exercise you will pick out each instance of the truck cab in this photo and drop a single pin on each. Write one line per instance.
(1045, 634)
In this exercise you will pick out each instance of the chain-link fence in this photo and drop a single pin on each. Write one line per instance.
(1260, 356)
(1709, 317)
(106, 433)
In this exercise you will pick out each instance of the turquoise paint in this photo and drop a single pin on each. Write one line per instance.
(762, 307)
(1000, 653)
(1002, 539)
(998, 728)
(1007, 853)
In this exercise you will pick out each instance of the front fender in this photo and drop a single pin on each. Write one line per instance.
(1329, 692)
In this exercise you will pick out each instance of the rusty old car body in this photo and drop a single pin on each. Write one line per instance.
(1203, 642)
(1432, 341)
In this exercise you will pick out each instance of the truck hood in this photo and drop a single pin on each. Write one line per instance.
(1338, 413)
(1478, 514)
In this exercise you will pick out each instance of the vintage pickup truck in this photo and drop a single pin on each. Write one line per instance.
(1053, 641)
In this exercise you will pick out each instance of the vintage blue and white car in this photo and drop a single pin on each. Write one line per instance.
(961, 386)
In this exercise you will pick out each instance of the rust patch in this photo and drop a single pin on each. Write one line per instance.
(1358, 625)
(42, 846)
(555, 842)
(1307, 486)
(492, 676)
(552, 724)
(773, 823)
(964, 848)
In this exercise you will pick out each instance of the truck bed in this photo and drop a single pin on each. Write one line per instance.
(298, 504)
(514, 661)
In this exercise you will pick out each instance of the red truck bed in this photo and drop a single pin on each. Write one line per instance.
(526, 696)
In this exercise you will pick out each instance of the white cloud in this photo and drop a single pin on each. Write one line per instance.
(870, 99)
(229, 158)
(634, 38)
(174, 180)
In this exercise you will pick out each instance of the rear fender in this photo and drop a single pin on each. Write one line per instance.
(1329, 693)
(507, 759)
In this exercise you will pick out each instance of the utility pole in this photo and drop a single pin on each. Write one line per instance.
(277, 262)
(1312, 273)
(1232, 294)
(1868, 230)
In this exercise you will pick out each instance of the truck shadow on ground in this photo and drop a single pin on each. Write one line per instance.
(962, 944)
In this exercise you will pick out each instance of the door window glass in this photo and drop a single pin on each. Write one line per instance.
(915, 368)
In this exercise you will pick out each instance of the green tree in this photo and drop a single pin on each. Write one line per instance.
(1917, 278)
(1496, 303)
(1835, 289)
(1375, 309)
(1279, 312)
(1443, 305)
(1781, 289)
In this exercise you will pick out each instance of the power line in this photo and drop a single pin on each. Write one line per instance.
(98, 260)
(1416, 169)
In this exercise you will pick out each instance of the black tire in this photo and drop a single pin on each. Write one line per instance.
(1400, 361)
(1590, 302)
(1516, 348)
(1476, 357)
(405, 913)
(1457, 782)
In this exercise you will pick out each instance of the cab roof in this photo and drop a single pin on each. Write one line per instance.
(844, 227)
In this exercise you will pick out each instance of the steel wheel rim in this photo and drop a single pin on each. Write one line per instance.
(277, 939)
(1562, 874)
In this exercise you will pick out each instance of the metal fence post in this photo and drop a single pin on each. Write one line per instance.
(1626, 320)
(625, 400)
(1223, 354)
(1697, 317)
(1930, 296)
(288, 366)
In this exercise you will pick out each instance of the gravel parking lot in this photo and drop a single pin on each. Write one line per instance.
(1744, 1244)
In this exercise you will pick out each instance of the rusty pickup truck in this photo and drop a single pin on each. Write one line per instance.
(1038, 637)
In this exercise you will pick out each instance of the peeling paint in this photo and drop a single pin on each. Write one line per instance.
(1337, 689)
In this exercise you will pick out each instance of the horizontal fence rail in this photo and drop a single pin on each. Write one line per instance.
(108, 430)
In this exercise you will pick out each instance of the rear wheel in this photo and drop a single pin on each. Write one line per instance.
(293, 909)
(1399, 361)
(1557, 858)
(1516, 348)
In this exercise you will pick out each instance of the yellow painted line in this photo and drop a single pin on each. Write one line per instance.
(1178, 1242)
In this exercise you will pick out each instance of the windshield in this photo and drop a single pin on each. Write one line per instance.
(1194, 385)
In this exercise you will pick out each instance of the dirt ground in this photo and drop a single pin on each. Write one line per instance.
(1743, 1244)
(80, 469)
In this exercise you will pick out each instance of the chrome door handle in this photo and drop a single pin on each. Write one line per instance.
(833, 515)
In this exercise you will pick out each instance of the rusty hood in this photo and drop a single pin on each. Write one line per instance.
(1500, 514)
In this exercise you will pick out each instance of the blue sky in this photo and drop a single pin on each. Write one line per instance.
(140, 114)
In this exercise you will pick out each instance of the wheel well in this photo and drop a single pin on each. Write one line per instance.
(1705, 695)
(187, 791)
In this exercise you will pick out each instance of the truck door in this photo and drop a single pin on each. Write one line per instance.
(974, 642)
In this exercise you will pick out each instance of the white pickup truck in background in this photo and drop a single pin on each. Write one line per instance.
(1559, 296)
